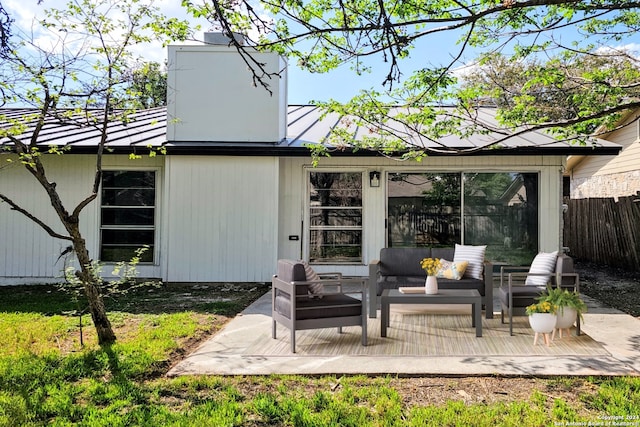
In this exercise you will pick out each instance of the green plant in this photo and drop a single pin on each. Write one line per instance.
(541, 307)
(125, 280)
(561, 298)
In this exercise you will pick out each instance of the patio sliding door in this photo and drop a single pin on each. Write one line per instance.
(497, 209)
(423, 209)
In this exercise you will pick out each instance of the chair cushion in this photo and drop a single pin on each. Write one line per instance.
(543, 263)
(452, 270)
(523, 296)
(475, 256)
(293, 271)
(332, 305)
(564, 264)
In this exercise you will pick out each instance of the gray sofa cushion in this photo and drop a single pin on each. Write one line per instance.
(402, 261)
(443, 253)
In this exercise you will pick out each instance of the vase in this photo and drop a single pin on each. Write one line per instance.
(542, 323)
(566, 317)
(431, 285)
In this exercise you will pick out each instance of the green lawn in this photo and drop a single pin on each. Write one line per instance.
(48, 378)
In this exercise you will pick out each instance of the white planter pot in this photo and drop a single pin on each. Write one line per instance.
(543, 323)
(431, 285)
(566, 317)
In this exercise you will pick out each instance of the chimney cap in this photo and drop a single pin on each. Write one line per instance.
(221, 39)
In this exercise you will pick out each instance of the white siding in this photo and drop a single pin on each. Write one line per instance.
(222, 219)
(28, 253)
(293, 193)
(229, 218)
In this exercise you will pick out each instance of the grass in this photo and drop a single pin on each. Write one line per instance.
(48, 378)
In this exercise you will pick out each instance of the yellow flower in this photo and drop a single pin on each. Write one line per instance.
(430, 265)
(542, 307)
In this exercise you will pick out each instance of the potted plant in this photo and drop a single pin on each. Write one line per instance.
(542, 318)
(569, 305)
(431, 267)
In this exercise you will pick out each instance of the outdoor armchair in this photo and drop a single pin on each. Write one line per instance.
(515, 295)
(303, 299)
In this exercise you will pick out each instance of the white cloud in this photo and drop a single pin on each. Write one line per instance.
(27, 13)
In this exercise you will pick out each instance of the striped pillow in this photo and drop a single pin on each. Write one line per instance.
(315, 289)
(543, 263)
(475, 256)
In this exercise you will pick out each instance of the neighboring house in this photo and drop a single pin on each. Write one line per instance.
(609, 176)
(237, 189)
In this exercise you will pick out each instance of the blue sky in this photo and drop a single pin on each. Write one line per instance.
(340, 84)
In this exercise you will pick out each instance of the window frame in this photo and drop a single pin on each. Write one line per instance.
(156, 215)
(307, 227)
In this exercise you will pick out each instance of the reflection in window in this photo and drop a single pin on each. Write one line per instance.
(500, 211)
(127, 215)
(335, 217)
(423, 209)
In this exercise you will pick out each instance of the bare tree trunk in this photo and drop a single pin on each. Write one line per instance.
(91, 283)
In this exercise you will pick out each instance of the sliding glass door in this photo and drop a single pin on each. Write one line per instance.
(423, 209)
(499, 210)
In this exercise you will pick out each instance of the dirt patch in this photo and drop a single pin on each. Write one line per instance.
(613, 287)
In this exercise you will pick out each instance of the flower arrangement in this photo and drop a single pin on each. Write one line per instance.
(542, 307)
(430, 265)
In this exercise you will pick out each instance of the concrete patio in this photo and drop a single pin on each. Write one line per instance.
(236, 350)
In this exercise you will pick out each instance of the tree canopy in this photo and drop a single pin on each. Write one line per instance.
(572, 53)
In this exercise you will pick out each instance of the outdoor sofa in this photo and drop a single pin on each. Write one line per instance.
(400, 267)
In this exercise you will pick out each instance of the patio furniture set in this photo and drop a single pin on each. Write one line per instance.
(304, 299)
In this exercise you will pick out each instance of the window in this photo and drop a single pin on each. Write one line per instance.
(501, 211)
(441, 209)
(335, 217)
(127, 211)
(423, 209)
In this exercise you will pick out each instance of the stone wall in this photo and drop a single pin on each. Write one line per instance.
(614, 185)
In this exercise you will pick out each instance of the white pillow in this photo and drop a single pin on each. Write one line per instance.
(543, 263)
(475, 256)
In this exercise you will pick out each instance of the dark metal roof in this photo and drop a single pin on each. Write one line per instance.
(305, 125)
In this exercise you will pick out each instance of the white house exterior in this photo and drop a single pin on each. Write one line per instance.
(610, 176)
(236, 190)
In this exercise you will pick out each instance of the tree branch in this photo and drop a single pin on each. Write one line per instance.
(45, 227)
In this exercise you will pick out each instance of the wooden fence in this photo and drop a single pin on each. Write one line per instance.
(604, 231)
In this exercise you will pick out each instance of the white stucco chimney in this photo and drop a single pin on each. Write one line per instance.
(211, 96)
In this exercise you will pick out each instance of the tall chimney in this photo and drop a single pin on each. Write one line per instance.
(212, 97)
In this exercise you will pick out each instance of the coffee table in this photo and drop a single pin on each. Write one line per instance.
(444, 296)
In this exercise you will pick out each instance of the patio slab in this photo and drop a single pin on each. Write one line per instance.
(232, 352)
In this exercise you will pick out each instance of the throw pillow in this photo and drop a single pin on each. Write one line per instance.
(452, 270)
(543, 263)
(475, 256)
(315, 289)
